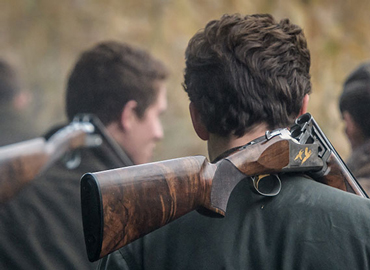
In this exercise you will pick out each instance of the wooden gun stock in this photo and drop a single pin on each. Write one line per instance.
(121, 205)
(22, 162)
(124, 204)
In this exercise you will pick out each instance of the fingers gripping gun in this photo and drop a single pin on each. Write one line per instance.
(121, 205)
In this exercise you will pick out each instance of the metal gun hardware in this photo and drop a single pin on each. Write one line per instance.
(268, 185)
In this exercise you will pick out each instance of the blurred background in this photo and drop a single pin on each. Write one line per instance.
(43, 38)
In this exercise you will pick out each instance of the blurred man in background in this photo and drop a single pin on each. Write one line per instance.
(15, 126)
(354, 105)
(124, 88)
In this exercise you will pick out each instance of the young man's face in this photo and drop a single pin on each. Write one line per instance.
(145, 132)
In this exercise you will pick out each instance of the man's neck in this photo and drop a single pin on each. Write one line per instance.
(217, 144)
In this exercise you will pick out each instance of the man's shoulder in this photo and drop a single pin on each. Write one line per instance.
(305, 192)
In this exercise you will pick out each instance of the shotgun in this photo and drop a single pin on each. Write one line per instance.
(21, 162)
(122, 205)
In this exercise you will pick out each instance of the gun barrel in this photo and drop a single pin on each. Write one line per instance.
(335, 172)
(339, 176)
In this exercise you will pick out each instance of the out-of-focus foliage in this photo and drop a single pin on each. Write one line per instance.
(43, 38)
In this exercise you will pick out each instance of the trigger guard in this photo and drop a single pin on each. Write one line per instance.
(275, 190)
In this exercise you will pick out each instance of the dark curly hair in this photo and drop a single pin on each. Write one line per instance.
(242, 71)
(109, 75)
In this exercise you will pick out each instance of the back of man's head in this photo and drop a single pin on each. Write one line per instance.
(355, 98)
(243, 71)
(9, 84)
(109, 75)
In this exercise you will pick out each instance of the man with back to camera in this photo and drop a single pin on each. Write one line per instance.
(354, 105)
(124, 87)
(245, 75)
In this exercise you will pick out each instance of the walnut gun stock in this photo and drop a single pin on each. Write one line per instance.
(21, 162)
(121, 205)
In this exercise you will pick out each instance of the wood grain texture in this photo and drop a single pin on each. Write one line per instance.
(20, 163)
(137, 200)
(266, 157)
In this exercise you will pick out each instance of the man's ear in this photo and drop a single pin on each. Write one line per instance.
(304, 107)
(128, 115)
(198, 125)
